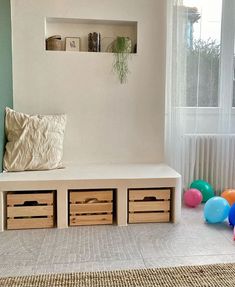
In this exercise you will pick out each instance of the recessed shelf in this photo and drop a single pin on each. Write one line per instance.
(108, 29)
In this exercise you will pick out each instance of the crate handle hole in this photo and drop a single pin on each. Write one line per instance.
(91, 200)
(30, 203)
(149, 198)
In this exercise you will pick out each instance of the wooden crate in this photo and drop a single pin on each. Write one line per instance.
(26, 210)
(149, 205)
(90, 207)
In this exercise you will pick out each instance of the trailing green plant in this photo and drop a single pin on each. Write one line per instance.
(121, 49)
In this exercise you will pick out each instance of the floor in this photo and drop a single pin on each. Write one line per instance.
(97, 248)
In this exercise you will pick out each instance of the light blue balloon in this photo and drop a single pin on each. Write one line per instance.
(216, 209)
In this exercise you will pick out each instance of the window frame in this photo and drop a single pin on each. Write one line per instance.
(226, 63)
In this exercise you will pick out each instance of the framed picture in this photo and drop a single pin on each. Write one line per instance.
(72, 44)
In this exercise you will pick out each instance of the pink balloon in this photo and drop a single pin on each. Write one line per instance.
(192, 197)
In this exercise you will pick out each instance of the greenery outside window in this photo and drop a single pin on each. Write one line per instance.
(202, 46)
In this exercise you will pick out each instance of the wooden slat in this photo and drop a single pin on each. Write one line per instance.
(41, 198)
(84, 196)
(91, 219)
(149, 206)
(157, 193)
(149, 217)
(91, 207)
(30, 223)
(30, 211)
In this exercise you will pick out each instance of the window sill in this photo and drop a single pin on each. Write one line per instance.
(202, 110)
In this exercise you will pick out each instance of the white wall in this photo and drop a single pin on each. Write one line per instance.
(107, 121)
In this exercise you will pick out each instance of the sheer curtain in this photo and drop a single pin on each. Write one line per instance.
(200, 117)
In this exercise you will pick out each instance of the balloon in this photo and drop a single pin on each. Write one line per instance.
(229, 195)
(216, 209)
(205, 188)
(192, 197)
(231, 216)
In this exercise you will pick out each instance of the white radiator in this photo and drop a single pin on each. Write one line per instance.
(211, 158)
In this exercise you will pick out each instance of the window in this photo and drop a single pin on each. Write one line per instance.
(202, 46)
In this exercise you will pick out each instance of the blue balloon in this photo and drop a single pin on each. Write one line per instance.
(231, 216)
(216, 209)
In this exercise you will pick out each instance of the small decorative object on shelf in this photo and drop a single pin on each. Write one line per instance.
(135, 49)
(121, 48)
(72, 44)
(54, 43)
(94, 42)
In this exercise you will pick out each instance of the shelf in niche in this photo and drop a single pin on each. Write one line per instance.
(109, 30)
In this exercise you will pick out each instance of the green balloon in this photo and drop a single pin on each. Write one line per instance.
(205, 188)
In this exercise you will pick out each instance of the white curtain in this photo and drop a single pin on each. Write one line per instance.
(200, 119)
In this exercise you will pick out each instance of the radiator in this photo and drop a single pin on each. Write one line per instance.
(211, 158)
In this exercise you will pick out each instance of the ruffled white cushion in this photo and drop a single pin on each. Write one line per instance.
(34, 142)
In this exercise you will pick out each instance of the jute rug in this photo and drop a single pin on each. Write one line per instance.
(221, 275)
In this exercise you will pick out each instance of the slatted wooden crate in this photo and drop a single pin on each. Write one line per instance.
(149, 205)
(26, 210)
(90, 207)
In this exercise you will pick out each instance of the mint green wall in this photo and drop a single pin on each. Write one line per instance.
(6, 98)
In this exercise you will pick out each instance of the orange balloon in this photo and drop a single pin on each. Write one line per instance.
(229, 195)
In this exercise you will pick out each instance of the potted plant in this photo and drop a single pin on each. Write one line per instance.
(121, 48)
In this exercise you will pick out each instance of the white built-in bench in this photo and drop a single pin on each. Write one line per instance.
(118, 177)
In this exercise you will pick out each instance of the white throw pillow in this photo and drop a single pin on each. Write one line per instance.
(34, 142)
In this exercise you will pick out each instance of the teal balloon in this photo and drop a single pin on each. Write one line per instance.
(216, 209)
(205, 188)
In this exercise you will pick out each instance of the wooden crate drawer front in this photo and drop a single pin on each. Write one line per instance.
(30, 210)
(30, 223)
(149, 217)
(91, 207)
(149, 205)
(27, 211)
(91, 219)
(21, 199)
(91, 196)
(158, 194)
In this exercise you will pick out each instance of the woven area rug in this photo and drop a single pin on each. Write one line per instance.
(208, 275)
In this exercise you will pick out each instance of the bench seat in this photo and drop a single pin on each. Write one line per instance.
(120, 177)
